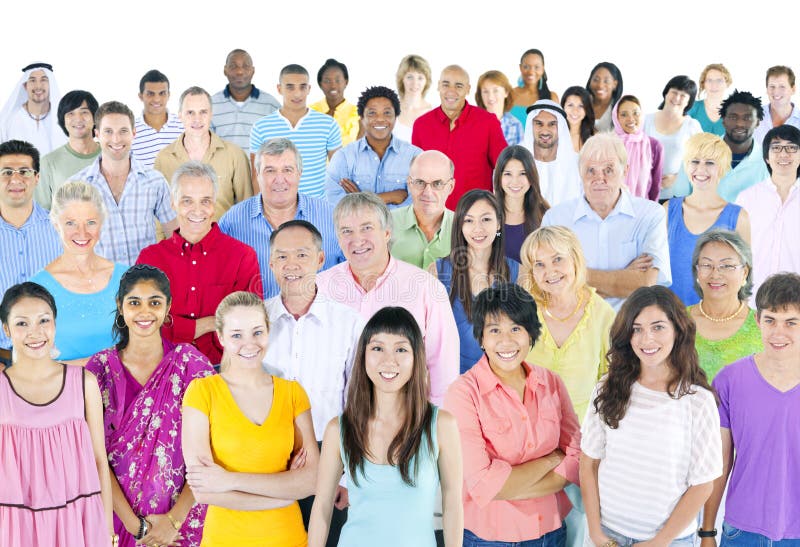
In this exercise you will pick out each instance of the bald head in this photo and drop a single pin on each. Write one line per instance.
(432, 158)
(430, 182)
(453, 89)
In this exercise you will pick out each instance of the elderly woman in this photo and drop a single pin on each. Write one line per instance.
(82, 282)
(714, 82)
(707, 159)
(722, 267)
(494, 95)
(413, 80)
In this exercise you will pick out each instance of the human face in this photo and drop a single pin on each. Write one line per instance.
(196, 114)
(295, 260)
(38, 87)
(506, 343)
(239, 71)
(278, 179)
(480, 226)
(155, 97)
(453, 89)
(427, 170)
(532, 69)
(378, 119)
(294, 89)
(79, 225)
(720, 272)
(244, 336)
(494, 97)
(630, 117)
(79, 122)
(17, 191)
(115, 135)
(703, 173)
(676, 99)
(553, 272)
(653, 337)
(573, 106)
(740, 123)
(333, 85)
(780, 333)
(31, 327)
(779, 90)
(364, 242)
(783, 163)
(602, 85)
(414, 82)
(195, 207)
(715, 82)
(389, 361)
(514, 179)
(545, 130)
(603, 178)
(144, 309)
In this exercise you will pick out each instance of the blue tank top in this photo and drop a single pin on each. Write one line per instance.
(681, 246)
(384, 510)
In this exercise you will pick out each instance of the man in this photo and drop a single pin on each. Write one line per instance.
(316, 135)
(27, 115)
(203, 264)
(422, 230)
(378, 162)
(240, 104)
(134, 195)
(780, 110)
(28, 241)
(199, 143)
(371, 279)
(278, 168)
(623, 237)
(155, 128)
(774, 206)
(468, 135)
(312, 339)
(76, 112)
(759, 404)
(556, 160)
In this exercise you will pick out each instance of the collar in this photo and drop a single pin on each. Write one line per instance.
(318, 311)
(38, 214)
(256, 207)
(206, 244)
(624, 206)
(254, 93)
(442, 117)
(488, 381)
(391, 268)
(363, 145)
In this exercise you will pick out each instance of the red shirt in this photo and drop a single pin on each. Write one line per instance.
(200, 276)
(474, 144)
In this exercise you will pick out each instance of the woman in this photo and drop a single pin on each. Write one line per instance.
(707, 160)
(55, 483)
(519, 433)
(413, 80)
(722, 266)
(605, 87)
(532, 84)
(264, 454)
(142, 380)
(645, 153)
(655, 414)
(577, 103)
(476, 261)
(672, 127)
(393, 446)
(332, 79)
(516, 187)
(82, 282)
(714, 82)
(494, 95)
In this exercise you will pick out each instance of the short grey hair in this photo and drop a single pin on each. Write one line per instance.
(361, 202)
(739, 246)
(193, 168)
(276, 147)
(77, 190)
(195, 90)
(601, 145)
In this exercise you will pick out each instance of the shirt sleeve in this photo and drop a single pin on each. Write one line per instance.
(441, 340)
(300, 402)
(570, 438)
(242, 185)
(248, 278)
(656, 170)
(706, 441)
(681, 186)
(43, 192)
(163, 207)
(198, 396)
(656, 244)
(722, 387)
(593, 439)
(334, 137)
(497, 141)
(336, 171)
(255, 138)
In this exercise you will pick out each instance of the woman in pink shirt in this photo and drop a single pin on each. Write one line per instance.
(520, 436)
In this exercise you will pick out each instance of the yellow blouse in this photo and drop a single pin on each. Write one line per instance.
(346, 115)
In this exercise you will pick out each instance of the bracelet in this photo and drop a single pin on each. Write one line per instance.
(114, 540)
(144, 527)
(610, 543)
(707, 533)
(175, 523)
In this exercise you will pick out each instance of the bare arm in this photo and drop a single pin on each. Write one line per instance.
(621, 283)
(330, 471)
(451, 478)
(711, 506)
(394, 197)
(743, 225)
(534, 478)
(94, 419)
(78, 362)
(204, 325)
(590, 492)
(684, 513)
(170, 227)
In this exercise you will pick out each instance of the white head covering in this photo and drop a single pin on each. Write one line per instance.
(559, 179)
(19, 96)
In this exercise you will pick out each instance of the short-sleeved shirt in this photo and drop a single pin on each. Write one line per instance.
(148, 142)
(751, 170)
(410, 245)
(346, 115)
(56, 168)
(233, 120)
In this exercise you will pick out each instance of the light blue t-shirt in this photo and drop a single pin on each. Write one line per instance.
(750, 171)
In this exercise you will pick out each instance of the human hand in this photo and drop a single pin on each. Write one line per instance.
(298, 460)
(708, 542)
(641, 263)
(161, 532)
(349, 186)
(207, 477)
(342, 499)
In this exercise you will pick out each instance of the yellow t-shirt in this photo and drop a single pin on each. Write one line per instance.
(346, 115)
(237, 444)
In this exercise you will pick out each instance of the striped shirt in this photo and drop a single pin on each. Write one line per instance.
(24, 251)
(246, 222)
(661, 447)
(130, 224)
(232, 121)
(148, 142)
(314, 136)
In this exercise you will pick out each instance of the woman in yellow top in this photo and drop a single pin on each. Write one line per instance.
(248, 439)
(333, 78)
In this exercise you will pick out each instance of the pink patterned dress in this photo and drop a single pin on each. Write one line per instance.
(49, 487)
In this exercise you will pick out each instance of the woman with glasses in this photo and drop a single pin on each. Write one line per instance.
(714, 83)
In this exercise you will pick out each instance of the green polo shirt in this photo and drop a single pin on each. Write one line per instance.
(409, 242)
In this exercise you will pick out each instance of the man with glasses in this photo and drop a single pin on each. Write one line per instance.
(422, 230)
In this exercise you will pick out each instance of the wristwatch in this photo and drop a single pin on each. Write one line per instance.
(706, 533)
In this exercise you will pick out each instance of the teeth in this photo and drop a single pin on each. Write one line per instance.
(507, 354)
(37, 345)
(144, 324)
(649, 351)
(248, 355)
(389, 375)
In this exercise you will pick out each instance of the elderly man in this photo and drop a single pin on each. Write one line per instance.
(378, 162)
(279, 167)
(203, 264)
(468, 135)
(155, 128)
(623, 237)
(199, 143)
(372, 279)
(28, 241)
(422, 230)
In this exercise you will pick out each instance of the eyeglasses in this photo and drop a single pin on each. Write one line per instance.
(706, 268)
(788, 148)
(25, 172)
(437, 185)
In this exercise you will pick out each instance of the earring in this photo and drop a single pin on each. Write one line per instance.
(498, 233)
(117, 323)
(541, 82)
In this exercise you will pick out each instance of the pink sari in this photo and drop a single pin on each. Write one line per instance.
(144, 440)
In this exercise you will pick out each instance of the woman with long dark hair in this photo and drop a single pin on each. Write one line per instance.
(577, 104)
(605, 87)
(532, 84)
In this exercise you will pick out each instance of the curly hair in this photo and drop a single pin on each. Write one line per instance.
(375, 92)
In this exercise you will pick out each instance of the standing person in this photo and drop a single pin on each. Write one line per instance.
(577, 104)
(393, 446)
(142, 381)
(56, 488)
(332, 79)
(533, 85)
(714, 82)
(780, 110)
(413, 79)
(653, 378)
(264, 455)
(494, 95)
(156, 127)
(605, 87)
(645, 153)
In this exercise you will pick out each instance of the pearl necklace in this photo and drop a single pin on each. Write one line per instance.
(719, 319)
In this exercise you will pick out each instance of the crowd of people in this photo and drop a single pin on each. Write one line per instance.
(528, 321)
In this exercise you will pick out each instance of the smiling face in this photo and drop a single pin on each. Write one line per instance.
(780, 91)
(740, 123)
(532, 69)
(295, 259)
(514, 179)
(602, 85)
(783, 162)
(720, 272)
(677, 99)
(545, 130)
(630, 117)
(603, 178)
(553, 272)
(244, 336)
(378, 119)
(115, 135)
(364, 242)
(17, 191)
(31, 328)
(195, 207)
(333, 85)
(144, 309)
(573, 106)
(494, 97)
(196, 114)
(653, 337)
(155, 97)
(79, 122)
(38, 87)
(414, 82)
(453, 89)
(79, 226)
(703, 174)
(714, 83)
(780, 333)
(389, 361)
(480, 225)
(279, 179)
(506, 343)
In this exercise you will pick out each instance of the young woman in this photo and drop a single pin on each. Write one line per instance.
(651, 444)
(532, 84)
(476, 261)
(55, 484)
(645, 153)
(332, 79)
(142, 381)
(393, 446)
(264, 454)
(516, 186)
(577, 103)
(714, 83)
(413, 79)
(494, 95)
(519, 434)
(605, 87)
